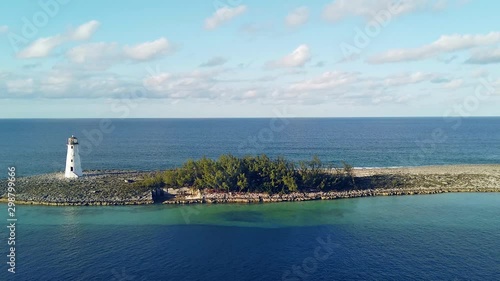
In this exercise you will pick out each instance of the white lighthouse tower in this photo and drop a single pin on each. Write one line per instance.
(73, 165)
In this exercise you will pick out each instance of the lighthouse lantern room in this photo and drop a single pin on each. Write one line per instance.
(73, 165)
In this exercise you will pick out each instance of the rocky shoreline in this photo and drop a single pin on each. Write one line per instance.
(298, 197)
(118, 187)
(96, 188)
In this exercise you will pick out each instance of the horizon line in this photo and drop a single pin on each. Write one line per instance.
(258, 117)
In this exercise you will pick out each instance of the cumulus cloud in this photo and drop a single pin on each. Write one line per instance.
(196, 84)
(409, 78)
(445, 44)
(485, 56)
(297, 17)
(56, 84)
(216, 85)
(354, 87)
(102, 55)
(148, 50)
(43, 47)
(224, 15)
(4, 28)
(327, 81)
(368, 9)
(298, 58)
(215, 61)
(341, 9)
(84, 31)
(199, 84)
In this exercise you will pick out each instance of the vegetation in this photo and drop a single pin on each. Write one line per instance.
(254, 174)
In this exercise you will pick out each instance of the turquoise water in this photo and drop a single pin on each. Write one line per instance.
(425, 237)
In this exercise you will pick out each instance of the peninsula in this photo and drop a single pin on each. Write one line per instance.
(249, 180)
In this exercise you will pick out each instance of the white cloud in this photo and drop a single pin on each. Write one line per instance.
(445, 44)
(327, 81)
(223, 15)
(369, 9)
(148, 50)
(84, 31)
(298, 58)
(43, 47)
(353, 87)
(20, 86)
(485, 56)
(168, 85)
(340, 9)
(4, 29)
(408, 78)
(297, 17)
(196, 85)
(155, 82)
(103, 55)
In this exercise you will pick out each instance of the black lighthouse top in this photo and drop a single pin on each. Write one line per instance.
(73, 140)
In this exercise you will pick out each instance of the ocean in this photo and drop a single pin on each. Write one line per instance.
(37, 146)
(421, 237)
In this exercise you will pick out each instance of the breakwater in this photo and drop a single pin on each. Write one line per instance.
(123, 187)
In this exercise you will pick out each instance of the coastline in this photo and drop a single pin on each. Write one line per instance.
(104, 188)
(391, 181)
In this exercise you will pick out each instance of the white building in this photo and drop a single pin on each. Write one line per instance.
(73, 165)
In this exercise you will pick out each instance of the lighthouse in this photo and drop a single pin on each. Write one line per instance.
(73, 165)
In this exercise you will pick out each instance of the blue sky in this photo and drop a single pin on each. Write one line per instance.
(237, 58)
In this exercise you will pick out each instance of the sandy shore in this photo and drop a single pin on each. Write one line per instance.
(487, 170)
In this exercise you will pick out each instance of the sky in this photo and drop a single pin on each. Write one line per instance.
(242, 58)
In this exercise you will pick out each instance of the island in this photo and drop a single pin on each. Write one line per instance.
(250, 179)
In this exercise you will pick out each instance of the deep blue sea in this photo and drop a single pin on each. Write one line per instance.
(38, 145)
(425, 237)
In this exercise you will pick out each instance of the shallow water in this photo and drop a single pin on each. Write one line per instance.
(432, 237)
